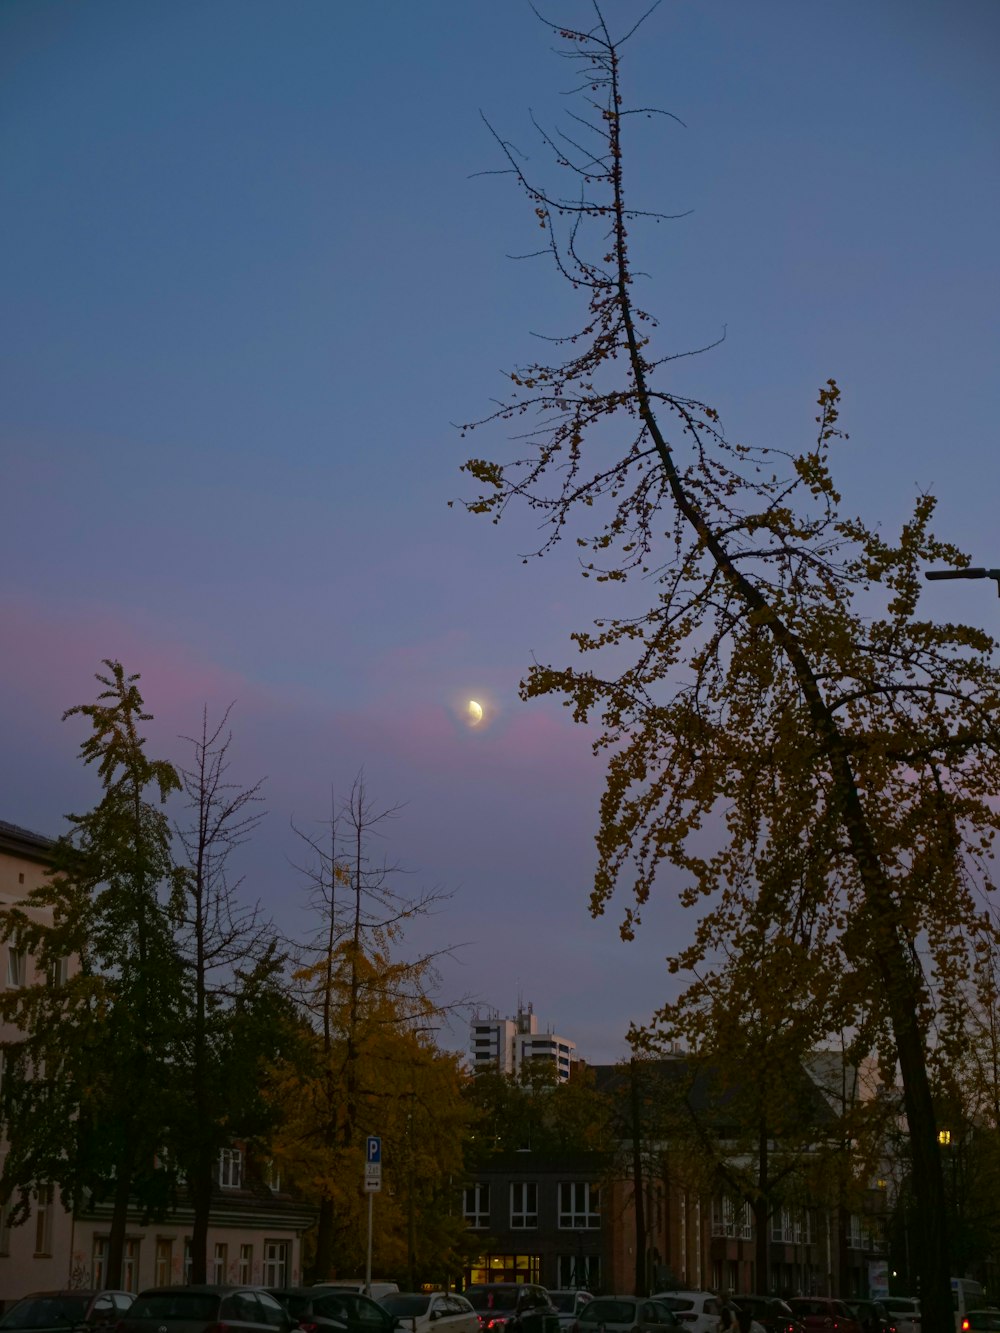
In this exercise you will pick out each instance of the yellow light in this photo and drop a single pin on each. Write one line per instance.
(944, 1137)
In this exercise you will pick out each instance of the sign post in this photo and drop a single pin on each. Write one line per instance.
(373, 1183)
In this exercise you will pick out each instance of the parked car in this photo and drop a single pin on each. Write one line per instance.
(966, 1295)
(904, 1311)
(872, 1316)
(698, 1311)
(773, 1314)
(417, 1311)
(569, 1304)
(62, 1310)
(823, 1314)
(198, 1309)
(522, 1306)
(327, 1310)
(981, 1321)
(625, 1314)
(667, 1315)
(379, 1286)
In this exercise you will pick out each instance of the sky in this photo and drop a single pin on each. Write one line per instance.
(252, 276)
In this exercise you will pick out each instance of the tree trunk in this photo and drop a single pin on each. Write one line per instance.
(323, 1262)
(119, 1221)
(761, 1214)
(638, 1189)
(201, 1202)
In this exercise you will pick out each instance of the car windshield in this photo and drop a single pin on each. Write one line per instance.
(492, 1298)
(330, 1307)
(564, 1301)
(295, 1302)
(676, 1302)
(405, 1304)
(608, 1312)
(176, 1304)
(46, 1312)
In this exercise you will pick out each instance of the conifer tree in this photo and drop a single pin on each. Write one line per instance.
(86, 1096)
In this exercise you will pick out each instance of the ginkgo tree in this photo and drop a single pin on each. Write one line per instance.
(784, 735)
(367, 1064)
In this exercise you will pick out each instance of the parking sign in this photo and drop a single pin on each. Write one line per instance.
(373, 1164)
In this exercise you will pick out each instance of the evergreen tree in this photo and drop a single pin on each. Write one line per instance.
(86, 1096)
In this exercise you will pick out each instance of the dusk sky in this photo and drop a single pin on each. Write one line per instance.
(250, 278)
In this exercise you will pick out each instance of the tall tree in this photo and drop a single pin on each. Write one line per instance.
(780, 694)
(85, 1099)
(230, 957)
(361, 1002)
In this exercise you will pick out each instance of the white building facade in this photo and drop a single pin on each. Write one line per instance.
(256, 1226)
(509, 1044)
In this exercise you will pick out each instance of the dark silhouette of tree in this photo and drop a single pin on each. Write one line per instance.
(237, 1016)
(86, 1098)
(780, 691)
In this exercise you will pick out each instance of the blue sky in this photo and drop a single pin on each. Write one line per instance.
(250, 280)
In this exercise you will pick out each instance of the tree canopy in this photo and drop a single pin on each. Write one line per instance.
(789, 746)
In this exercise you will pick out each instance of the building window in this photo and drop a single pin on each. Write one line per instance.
(579, 1205)
(477, 1206)
(792, 1226)
(245, 1274)
(858, 1235)
(220, 1260)
(732, 1217)
(59, 972)
(187, 1259)
(99, 1265)
(523, 1204)
(505, 1268)
(15, 967)
(162, 1271)
(272, 1175)
(275, 1263)
(5, 1228)
(578, 1271)
(130, 1266)
(43, 1219)
(230, 1168)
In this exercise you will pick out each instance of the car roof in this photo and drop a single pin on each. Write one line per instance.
(203, 1288)
(73, 1291)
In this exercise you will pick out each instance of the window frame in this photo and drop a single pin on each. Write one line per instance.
(525, 1216)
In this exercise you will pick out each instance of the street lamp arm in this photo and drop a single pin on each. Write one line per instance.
(973, 572)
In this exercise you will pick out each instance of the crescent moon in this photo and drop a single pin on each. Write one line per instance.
(475, 711)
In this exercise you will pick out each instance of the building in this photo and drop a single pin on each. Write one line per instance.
(571, 1220)
(510, 1044)
(256, 1228)
(537, 1218)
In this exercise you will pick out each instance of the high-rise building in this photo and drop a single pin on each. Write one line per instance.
(508, 1044)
